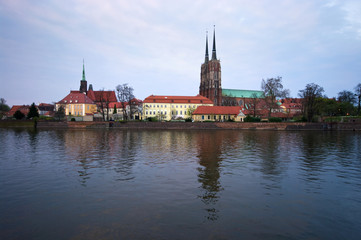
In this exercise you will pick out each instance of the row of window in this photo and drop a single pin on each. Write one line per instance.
(173, 106)
(71, 101)
(165, 112)
(215, 117)
(77, 109)
(154, 112)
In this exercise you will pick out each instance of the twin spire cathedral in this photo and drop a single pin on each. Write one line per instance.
(210, 86)
(211, 82)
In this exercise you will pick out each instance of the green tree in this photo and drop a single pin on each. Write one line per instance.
(331, 107)
(18, 115)
(60, 113)
(190, 111)
(3, 107)
(309, 97)
(33, 111)
(326, 106)
(273, 89)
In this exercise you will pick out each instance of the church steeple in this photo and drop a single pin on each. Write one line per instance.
(83, 83)
(83, 78)
(207, 56)
(214, 54)
(211, 81)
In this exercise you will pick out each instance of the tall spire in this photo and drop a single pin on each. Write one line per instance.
(83, 78)
(207, 56)
(214, 55)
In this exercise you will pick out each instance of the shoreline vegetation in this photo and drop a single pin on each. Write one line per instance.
(325, 126)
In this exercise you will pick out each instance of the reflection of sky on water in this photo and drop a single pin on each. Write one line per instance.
(199, 184)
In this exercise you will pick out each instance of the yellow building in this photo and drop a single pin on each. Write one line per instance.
(77, 104)
(172, 107)
(218, 114)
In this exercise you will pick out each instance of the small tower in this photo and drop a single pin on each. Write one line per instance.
(83, 82)
(211, 84)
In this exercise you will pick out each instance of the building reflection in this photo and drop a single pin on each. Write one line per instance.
(91, 150)
(210, 147)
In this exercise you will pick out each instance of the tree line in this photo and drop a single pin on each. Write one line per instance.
(314, 102)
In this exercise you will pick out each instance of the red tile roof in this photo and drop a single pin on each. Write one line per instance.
(120, 104)
(103, 96)
(217, 110)
(91, 95)
(75, 97)
(45, 105)
(22, 108)
(117, 104)
(177, 99)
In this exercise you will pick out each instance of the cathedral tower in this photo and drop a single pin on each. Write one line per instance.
(211, 84)
(83, 82)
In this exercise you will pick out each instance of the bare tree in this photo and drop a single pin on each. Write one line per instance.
(229, 101)
(254, 103)
(273, 89)
(125, 97)
(309, 97)
(346, 96)
(358, 94)
(104, 99)
(101, 104)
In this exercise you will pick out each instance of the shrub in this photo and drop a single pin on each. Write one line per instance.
(152, 119)
(252, 119)
(300, 119)
(333, 119)
(188, 119)
(274, 119)
(45, 118)
(18, 115)
(72, 119)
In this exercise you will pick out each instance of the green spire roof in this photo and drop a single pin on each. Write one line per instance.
(83, 78)
(238, 93)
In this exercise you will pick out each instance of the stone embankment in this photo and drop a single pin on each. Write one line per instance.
(354, 126)
(205, 125)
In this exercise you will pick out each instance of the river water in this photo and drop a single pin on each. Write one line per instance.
(219, 184)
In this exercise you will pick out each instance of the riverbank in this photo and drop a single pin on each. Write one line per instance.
(184, 125)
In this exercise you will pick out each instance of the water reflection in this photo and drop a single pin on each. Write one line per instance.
(209, 146)
(109, 184)
(92, 150)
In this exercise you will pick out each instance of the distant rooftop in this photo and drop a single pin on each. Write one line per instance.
(177, 99)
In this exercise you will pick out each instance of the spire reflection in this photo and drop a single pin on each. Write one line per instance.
(209, 151)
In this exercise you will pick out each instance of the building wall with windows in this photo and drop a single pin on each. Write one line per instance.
(132, 112)
(218, 114)
(77, 104)
(166, 108)
(76, 109)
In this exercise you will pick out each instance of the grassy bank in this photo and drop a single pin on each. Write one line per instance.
(17, 123)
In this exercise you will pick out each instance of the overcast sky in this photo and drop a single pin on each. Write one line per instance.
(158, 46)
